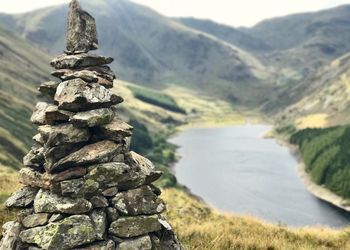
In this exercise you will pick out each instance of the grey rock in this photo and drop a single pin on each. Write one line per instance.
(56, 217)
(71, 173)
(99, 152)
(35, 220)
(76, 95)
(92, 118)
(47, 202)
(24, 213)
(99, 201)
(104, 245)
(69, 233)
(77, 188)
(46, 113)
(166, 236)
(63, 134)
(35, 158)
(54, 154)
(81, 30)
(22, 198)
(38, 139)
(112, 214)
(79, 61)
(117, 130)
(115, 174)
(48, 88)
(143, 243)
(127, 227)
(99, 220)
(10, 233)
(145, 166)
(110, 192)
(140, 201)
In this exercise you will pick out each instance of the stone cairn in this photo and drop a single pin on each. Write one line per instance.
(82, 187)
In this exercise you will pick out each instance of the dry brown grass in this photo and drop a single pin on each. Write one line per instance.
(201, 228)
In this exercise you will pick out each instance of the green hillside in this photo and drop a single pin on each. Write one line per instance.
(22, 69)
(327, 157)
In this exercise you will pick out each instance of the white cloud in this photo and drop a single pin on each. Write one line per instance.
(233, 12)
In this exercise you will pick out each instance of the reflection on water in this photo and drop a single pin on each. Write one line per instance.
(237, 170)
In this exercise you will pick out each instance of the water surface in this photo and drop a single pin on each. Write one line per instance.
(236, 170)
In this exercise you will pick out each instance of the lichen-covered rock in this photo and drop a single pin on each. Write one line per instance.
(35, 158)
(115, 174)
(34, 220)
(110, 192)
(10, 233)
(112, 214)
(145, 166)
(81, 30)
(22, 198)
(99, 152)
(48, 114)
(143, 243)
(140, 201)
(92, 118)
(99, 220)
(76, 95)
(48, 202)
(56, 217)
(63, 134)
(71, 173)
(79, 61)
(104, 245)
(116, 130)
(69, 233)
(166, 238)
(49, 88)
(126, 227)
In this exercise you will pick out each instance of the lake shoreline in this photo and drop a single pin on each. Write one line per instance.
(316, 190)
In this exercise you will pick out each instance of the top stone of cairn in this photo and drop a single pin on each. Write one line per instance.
(81, 30)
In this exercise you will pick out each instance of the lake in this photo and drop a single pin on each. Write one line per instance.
(236, 170)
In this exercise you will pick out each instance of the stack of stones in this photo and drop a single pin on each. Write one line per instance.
(82, 187)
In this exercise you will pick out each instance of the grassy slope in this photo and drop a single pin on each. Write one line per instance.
(22, 69)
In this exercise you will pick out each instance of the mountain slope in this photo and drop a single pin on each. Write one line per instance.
(152, 49)
(22, 69)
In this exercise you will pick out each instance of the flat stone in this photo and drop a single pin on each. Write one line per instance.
(38, 139)
(127, 227)
(79, 61)
(22, 198)
(116, 130)
(30, 177)
(76, 188)
(110, 192)
(166, 238)
(10, 233)
(69, 233)
(104, 245)
(35, 158)
(99, 220)
(54, 154)
(76, 95)
(81, 30)
(99, 152)
(98, 74)
(143, 243)
(63, 134)
(71, 173)
(35, 220)
(115, 174)
(48, 88)
(47, 202)
(24, 213)
(92, 118)
(112, 214)
(99, 201)
(46, 113)
(145, 166)
(56, 217)
(140, 201)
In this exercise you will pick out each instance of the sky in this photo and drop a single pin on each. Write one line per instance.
(231, 12)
